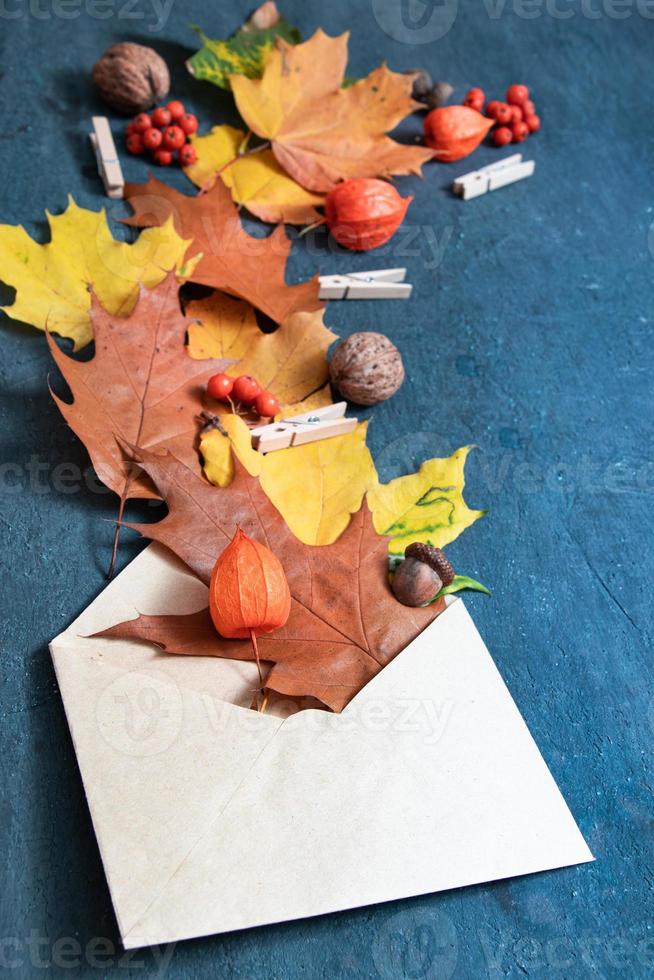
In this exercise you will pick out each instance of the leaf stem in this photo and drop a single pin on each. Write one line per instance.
(119, 518)
(214, 177)
(253, 639)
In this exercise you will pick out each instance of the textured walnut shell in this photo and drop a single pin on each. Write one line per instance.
(131, 78)
(415, 583)
(366, 368)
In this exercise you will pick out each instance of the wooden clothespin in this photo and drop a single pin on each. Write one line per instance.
(494, 176)
(300, 429)
(105, 153)
(379, 284)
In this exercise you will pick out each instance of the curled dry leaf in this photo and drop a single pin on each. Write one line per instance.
(344, 625)
(250, 268)
(321, 133)
(53, 281)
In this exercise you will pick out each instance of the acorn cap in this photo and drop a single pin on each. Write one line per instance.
(434, 557)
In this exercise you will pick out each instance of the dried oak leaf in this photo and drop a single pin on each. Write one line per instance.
(231, 260)
(345, 624)
(320, 132)
(140, 387)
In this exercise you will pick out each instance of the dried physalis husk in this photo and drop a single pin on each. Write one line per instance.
(455, 131)
(364, 212)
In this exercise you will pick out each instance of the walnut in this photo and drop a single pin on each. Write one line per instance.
(366, 368)
(131, 78)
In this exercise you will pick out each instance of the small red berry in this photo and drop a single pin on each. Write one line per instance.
(152, 138)
(134, 144)
(176, 109)
(517, 94)
(516, 114)
(533, 123)
(130, 129)
(188, 123)
(475, 99)
(173, 138)
(163, 157)
(142, 122)
(220, 387)
(520, 132)
(502, 113)
(476, 104)
(246, 388)
(161, 118)
(187, 155)
(528, 108)
(476, 94)
(491, 108)
(502, 136)
(266, 405)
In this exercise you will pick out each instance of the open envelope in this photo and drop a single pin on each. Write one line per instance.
(212, 817)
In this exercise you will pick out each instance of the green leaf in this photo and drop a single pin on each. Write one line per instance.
(460, 582)
(244, 53)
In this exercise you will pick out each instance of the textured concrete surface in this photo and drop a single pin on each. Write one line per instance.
(529, 333)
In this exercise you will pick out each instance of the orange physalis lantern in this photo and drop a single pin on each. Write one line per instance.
(248, 592)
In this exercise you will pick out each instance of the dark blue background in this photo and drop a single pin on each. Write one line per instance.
(532, 338)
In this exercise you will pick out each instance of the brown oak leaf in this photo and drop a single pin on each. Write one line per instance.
(248, 267)
(139, 388)
(319, 131)
(345, 625)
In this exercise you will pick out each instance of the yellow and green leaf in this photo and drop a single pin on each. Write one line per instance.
(424, 506)
(244, 53)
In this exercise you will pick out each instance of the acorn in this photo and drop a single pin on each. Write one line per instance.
(422, 574)
(422, 83)
(437, 96)
(434, 557)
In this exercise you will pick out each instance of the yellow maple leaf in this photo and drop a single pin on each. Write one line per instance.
(221, 326)
(321, 133)
(53, 281)
(424, 506)
(315, 487)
(291, 362)
(255, 180)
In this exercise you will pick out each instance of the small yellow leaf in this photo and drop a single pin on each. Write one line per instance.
(53, 281)
(291, 362)
(222, 327)
(424, 506)
(318, 399)
(256, 180)
(315, 487)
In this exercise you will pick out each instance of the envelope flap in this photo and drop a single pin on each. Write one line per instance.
(159, 748)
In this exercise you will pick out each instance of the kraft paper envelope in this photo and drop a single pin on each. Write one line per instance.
(212, 817)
